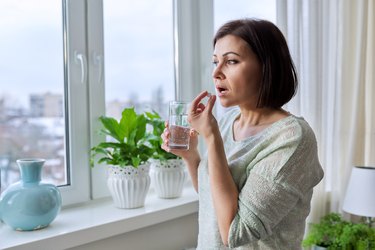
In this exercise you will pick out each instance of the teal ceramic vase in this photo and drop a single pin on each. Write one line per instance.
(30, 204)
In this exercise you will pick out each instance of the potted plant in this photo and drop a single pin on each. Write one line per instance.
(332, 232)
(126, 155)
(167, 170)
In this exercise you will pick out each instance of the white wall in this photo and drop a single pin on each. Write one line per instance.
(177, 234)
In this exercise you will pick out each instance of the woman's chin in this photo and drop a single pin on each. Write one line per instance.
(225, 103)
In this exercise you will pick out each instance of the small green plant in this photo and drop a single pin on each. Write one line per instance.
(335, 233)
(358, 236)
(155, 140)
(326, 233)
(130, 145)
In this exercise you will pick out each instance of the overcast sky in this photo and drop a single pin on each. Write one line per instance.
(139, 56)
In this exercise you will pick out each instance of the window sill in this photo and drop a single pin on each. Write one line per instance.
(98, 220)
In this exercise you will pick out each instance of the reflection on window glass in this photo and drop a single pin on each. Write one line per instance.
(32, 86)
(138, 40)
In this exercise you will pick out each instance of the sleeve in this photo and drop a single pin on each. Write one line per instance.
(274, 185)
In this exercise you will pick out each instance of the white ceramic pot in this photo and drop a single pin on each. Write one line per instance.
(168, 177)
(128, 185)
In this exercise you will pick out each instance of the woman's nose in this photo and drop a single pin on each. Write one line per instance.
(217, 73)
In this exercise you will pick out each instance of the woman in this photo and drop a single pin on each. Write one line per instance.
(256, 181)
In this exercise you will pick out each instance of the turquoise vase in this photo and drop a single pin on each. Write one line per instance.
(29, 204)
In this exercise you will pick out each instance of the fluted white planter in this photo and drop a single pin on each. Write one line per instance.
(168, 177)
(128, 185)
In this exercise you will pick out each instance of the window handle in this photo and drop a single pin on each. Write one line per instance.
(98, 62)
(81, 60)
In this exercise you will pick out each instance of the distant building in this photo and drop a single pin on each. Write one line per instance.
(10, 110)
(46, 105)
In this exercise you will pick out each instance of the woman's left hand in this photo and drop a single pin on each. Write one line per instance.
(200, 116)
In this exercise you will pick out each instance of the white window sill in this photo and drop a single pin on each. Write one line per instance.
(98, 220)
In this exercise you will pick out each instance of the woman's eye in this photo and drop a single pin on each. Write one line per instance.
(232, 61)
(215, 63)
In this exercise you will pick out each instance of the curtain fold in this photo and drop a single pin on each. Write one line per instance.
(332, 44)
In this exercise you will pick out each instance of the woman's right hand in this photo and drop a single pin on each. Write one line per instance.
(187, 155)
(190, 156)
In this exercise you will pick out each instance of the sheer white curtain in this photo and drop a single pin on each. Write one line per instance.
(332, 44)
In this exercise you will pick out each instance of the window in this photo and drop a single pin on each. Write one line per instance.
(42, 98)
(66, 62)
(32, 122)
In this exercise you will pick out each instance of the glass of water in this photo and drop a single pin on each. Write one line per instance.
(178, 125)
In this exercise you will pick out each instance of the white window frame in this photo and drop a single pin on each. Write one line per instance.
(96, 90)
(76, 104)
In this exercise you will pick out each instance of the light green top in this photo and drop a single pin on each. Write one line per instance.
(275, 172)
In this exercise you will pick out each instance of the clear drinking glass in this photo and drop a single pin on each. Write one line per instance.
(178, 125)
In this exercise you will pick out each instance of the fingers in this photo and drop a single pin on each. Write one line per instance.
(200, 108)
(164, 136)
(195, 103)
(165, 147)
(165, 144)
(211, 103)
(193, 133)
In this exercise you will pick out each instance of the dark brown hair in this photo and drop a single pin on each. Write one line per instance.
(279, 77)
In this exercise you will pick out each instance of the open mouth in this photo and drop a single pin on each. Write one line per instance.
(221, 90)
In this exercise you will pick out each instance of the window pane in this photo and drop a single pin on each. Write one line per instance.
(138, 40)
(32, 88)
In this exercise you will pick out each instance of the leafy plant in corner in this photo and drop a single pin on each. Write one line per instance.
(326, 233)
(358, 236)
(155, 140)
(129, 145)
(332, 232)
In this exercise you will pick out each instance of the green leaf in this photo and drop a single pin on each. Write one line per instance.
(105, 160)
(128, 121)
(104, 145)
(135, 161)
(112, 128)
(131, 139)
(153, 115)
(141, 128)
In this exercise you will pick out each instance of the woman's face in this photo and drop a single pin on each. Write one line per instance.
(237, 73)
